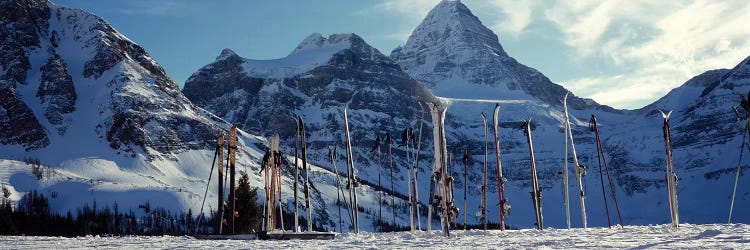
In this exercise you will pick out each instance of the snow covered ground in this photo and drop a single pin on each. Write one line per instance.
(711, 236)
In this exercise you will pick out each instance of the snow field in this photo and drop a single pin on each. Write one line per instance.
(688, 236)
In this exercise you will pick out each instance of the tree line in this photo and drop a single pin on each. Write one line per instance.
(32, 215)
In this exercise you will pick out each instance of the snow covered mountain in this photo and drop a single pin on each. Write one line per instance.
(106, 125)
(68, 75)
(316, 81)
(99, 114)
(458, 57)
(463, 63)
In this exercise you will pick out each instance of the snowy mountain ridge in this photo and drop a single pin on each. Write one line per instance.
(464, 65)
(314, 51)
(99, 114)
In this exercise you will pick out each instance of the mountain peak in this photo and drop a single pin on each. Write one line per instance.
(451, 50)
(453, 22)
(226, 53)
(452, 43)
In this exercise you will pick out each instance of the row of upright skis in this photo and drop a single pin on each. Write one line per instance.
(441, 197)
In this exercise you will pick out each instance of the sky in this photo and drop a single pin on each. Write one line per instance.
(626, 54)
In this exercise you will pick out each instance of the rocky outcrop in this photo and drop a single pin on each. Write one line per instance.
(64, 67)
(56, 92)
(21, 24)
(351, 74)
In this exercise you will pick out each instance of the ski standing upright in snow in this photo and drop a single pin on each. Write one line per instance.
(339, 190)
(306, 168)
(232, 167)
(406, 137)
(389, 142)
(380, 193)
(466, 181)
(580, 169)
(536, 194)
(296, 177)
(484, 180)
(353, 175)
(503, 206)
(271, 168)
(443, 200)
(416, 167)
(220, 204)
(671, 176)
(269, 203)
(566, 186)
(278, 159)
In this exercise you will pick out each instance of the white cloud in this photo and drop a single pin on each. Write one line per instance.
(625, 91)
(517, 15)
(658, 45)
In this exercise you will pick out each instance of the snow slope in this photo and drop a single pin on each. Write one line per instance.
(111, 125)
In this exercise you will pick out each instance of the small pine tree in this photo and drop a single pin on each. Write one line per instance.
(249, 212)
(7, 226)
(6, 193)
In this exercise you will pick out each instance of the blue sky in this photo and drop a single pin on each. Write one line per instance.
(625, 54)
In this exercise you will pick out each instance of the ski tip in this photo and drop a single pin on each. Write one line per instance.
(665, 116)
(526, 123)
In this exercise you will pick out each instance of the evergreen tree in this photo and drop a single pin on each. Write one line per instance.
(6, 221)
(249, 212)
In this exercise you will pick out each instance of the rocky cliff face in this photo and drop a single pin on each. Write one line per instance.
(19, 124)
(316, 81)
(68, 73)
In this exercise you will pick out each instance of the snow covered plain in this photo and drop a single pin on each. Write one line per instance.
(688, 236)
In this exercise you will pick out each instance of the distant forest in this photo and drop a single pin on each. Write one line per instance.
(32, 215)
